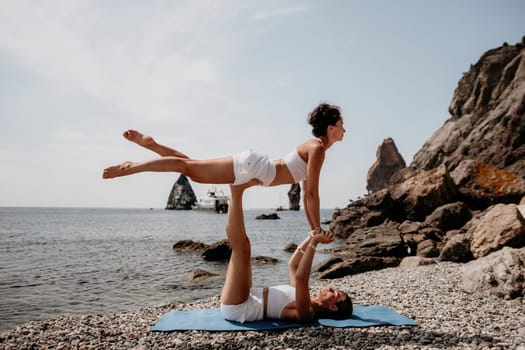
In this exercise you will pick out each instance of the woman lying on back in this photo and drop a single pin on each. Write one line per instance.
(241, 302)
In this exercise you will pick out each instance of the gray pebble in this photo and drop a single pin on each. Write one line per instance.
(431, 295)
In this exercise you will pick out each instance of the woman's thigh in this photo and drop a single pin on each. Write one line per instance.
(215, 171)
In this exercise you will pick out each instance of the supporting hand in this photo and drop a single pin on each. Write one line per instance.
(322, 236)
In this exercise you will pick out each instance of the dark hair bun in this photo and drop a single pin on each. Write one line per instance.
(323, 116)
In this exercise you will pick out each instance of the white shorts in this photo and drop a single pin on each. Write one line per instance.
(248, 165)
(251, 310)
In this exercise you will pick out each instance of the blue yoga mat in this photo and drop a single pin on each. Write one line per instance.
(212, 320)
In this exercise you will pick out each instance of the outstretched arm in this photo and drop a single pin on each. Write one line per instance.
(302, 269)
(297, 256)
(311, 188)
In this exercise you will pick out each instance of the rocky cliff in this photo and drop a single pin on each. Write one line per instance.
(487, 122)
(462, 197)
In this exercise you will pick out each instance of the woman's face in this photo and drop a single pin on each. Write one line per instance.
(337, 131)
(330, 296)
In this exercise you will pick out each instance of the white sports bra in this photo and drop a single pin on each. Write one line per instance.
(278, 298)
(296, 165)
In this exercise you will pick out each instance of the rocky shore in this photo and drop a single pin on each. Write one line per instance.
(463, 195)
(432, 295)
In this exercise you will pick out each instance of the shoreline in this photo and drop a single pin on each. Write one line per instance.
(60, 262)
(431, 295)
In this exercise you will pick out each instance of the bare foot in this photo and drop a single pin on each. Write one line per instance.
(138, 138)
(117, 170)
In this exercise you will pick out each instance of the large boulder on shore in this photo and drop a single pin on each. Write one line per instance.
(370, 211)
(413, 199)
(482, 185)
(354, 266)
(422, 193)
(384, 240)
(499, 226)
(501, 273)
(366, 249)
(450, 216)
(457, 249)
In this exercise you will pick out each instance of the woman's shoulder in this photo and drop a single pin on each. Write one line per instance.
(310, 149)
(312, 145)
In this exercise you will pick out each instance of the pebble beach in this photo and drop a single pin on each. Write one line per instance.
(431, 295)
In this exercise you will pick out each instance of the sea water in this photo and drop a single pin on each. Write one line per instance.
(59, 261)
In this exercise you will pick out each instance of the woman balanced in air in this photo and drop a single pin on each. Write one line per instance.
(303, 164)
(243, 303)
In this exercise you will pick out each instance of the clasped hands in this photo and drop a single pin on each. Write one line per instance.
(319, 235)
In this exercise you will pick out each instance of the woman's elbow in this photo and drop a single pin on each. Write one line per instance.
(305, 316)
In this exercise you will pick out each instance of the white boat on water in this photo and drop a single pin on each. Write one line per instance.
(214, 201)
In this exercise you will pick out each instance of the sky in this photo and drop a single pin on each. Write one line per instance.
(212, 78)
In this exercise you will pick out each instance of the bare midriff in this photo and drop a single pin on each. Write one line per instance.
(282, 174)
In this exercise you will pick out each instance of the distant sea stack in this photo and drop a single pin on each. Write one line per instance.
(294, 196)
(181, 196)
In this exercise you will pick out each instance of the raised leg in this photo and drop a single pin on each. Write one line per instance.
(212, 171)
(239, 275)
(149, 143)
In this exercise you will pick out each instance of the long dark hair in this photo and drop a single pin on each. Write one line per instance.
(344, 310)
(323, 116)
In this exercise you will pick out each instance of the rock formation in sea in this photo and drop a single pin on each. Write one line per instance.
(294, 197)
(199, 276)
(388, 161)
(218, 251)
(463, 195)
(271, 216)
(181, 196)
